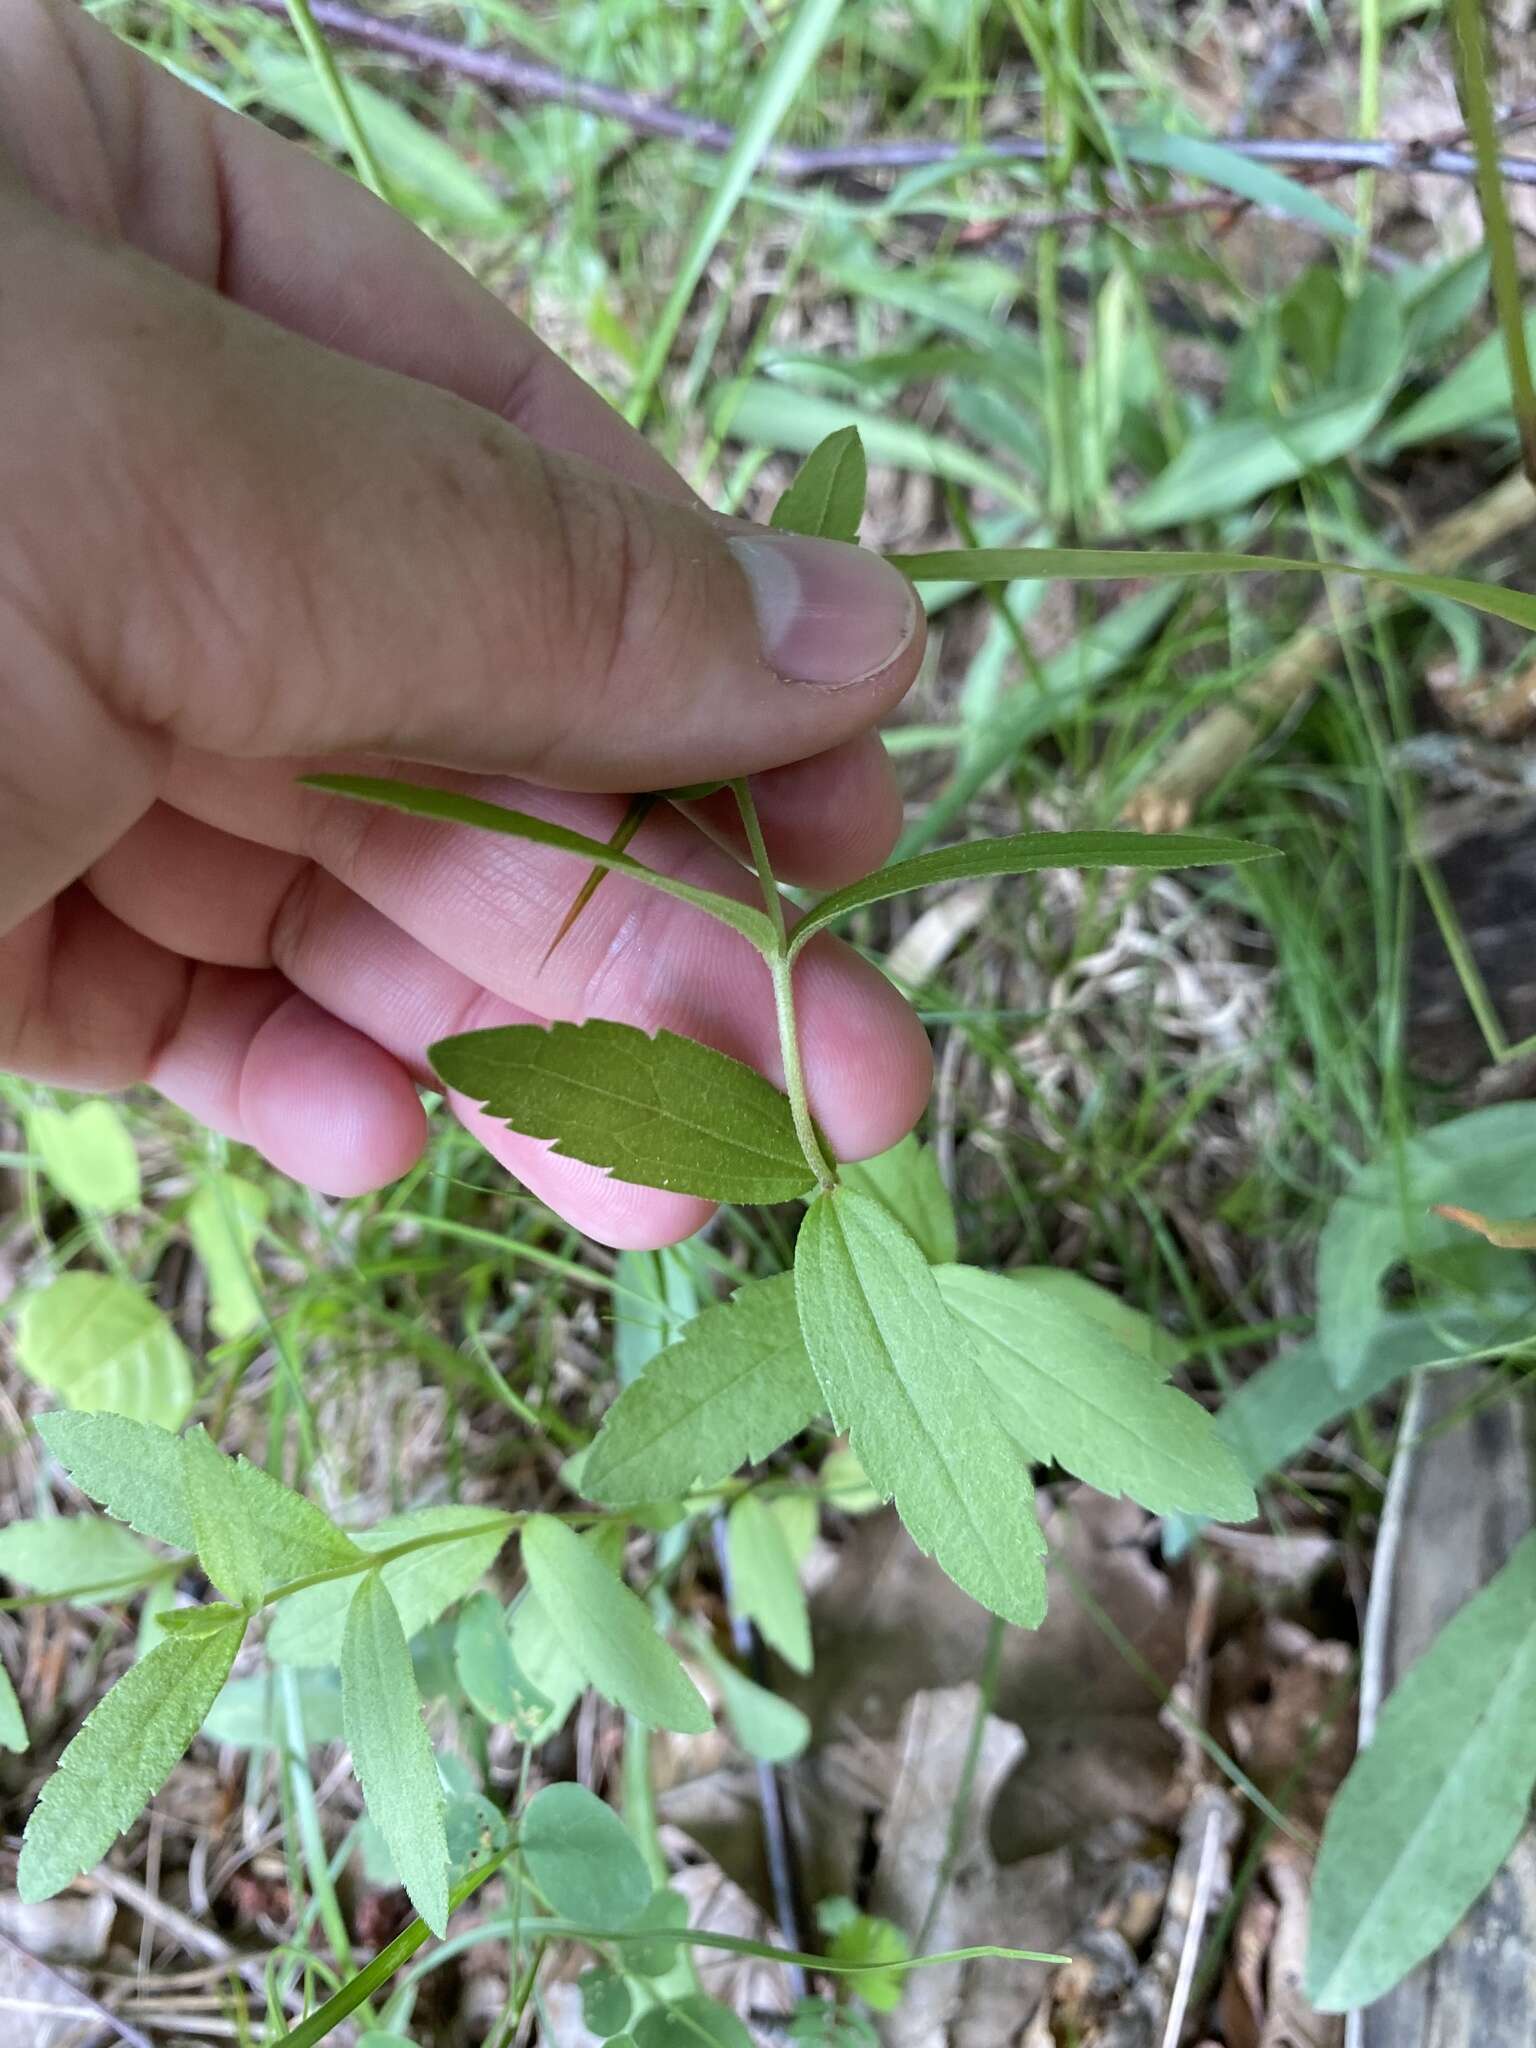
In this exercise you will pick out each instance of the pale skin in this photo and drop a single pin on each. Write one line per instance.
(282, 489)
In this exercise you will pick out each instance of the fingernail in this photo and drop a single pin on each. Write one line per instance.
(827, 613)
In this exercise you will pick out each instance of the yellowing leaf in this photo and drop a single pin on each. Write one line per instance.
(607, 1632)
(734, 1386)
(664, 1112)
(100, 1345)
(381, 1710)
(128, 1746)
(1510, 1236)
(901, 1376)
(88, 1155)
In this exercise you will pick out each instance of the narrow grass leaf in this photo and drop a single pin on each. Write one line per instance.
(664, 1112)
(902, 1378)
(224, 1220)
(424, 1583)
(1431, 1809)
(88, 1155)
(734, 1386)
(391, 1755)
(907, 1184)
(776, 85)
(1191, 156)
(765, 1581)
(447, 807)
(826, 498)
(227, 1545)
(1028, 853)
(488, 1671)
(582, 1859)
(135, 1470)
(13, 1727)
(607, 1632)
(1098, 565)
(65, 1554)
(1067, 1389)
(103, 1347)
(127, 1747)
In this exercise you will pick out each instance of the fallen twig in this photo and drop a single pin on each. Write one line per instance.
(527, 80)
(1213, 747)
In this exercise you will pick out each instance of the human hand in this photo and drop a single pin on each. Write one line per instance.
(282, 489)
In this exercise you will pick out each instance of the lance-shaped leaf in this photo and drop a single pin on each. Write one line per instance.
(1433, 1806)
(293, 1536)
(901, 1376)
(1028, 853)
(664, 1112)
(135, 1469)
(1066, 1388)
(1098, 565)
(734, 1386)
(381, 1710)
(227, 1544)
(826, 498)
(126, 1749)
(607, 1631)
(447, 807)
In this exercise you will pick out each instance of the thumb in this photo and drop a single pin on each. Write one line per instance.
(275, 549)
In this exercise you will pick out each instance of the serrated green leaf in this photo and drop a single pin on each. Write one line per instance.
(391, 1755)
(1100, 565)
(293, 1536)
(13, 1728)
(765, 1584)
(133, 1468)
(128, 1746)
(607, 1632)
(69, 1553)
(488, 1671)
(907, 1184)
(88, 1155)
(1486, 1160)
(225, 1219)
(826, 498)
(102, 1347)
(736, 1384)
(1135, 1330)
(424, 1584)
(663, 1112)
(582, 1858)
(227, 1544)
(1433, 1806)
(691, 2023)
(774, 1731)
(1066, 1389)
(1028, 853)
(901, 1376)
(449, 808)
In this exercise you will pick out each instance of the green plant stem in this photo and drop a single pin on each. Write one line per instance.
(318, 51)
(781, 968)
(986, 1692)
(1469, 34)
